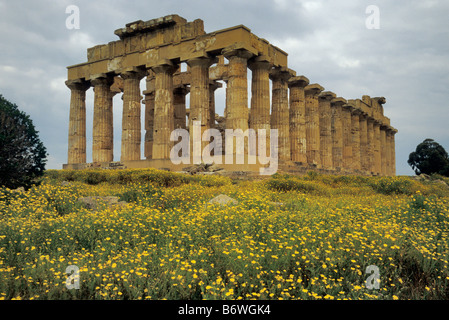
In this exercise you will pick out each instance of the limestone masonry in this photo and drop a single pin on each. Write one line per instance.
(317, 130)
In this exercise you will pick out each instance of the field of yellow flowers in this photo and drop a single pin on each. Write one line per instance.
(309, 237)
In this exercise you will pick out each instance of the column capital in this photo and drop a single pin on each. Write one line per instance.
(260, 62)
(338, 102)
(357, 112)
(363, 115)
(204, 61)
(134, 73)
(313, 89)
(281, 74)
(348, 106)
(326, 96)
(298, 81)
(164, 66)
(370, 119)
(181, 89)
(391, 130)
(229, 52)
(78, 84)
(102, 79)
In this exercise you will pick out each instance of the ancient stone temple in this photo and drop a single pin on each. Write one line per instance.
(316, 129)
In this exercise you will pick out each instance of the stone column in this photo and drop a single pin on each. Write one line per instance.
(179, 106)
(337, 132)
(313, 124)
(131, 125)
(364, 155)
(298, 119)
(199, 96)
(325, 111)
(280, 117)
(388, 152)
(355, 134)
(163, 109)
(149, 115)
(347, 136)
(77, 121)
(213, 85)
(383, 149)
(377, 148)
(237, 90)
(370, 145)
(103, 132)
(260, 97)
(393, 152)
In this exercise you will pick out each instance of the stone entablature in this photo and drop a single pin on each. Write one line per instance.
(316, 128)
(170, 38)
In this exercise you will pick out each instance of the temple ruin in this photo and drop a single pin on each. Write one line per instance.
(317, 130)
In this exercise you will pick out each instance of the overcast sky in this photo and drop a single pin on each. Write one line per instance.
(406, 59)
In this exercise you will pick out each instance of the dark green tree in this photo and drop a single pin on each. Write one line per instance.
(429, 157)
(22, 154)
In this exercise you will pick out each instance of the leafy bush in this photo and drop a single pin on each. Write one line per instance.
(290, 183)
(393, 185)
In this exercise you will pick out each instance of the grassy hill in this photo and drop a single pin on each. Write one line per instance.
(309, 237)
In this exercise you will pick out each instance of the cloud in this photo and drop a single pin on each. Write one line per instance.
(406, 60)
(312, 6)
(79, 39)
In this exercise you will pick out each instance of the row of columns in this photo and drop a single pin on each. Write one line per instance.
(329, 133)
(314, 127)
(102, 142)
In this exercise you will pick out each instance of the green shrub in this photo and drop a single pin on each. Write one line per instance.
(419, 202)
(312, 175)
(287, 183)
(95, 177)
(393, 185)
